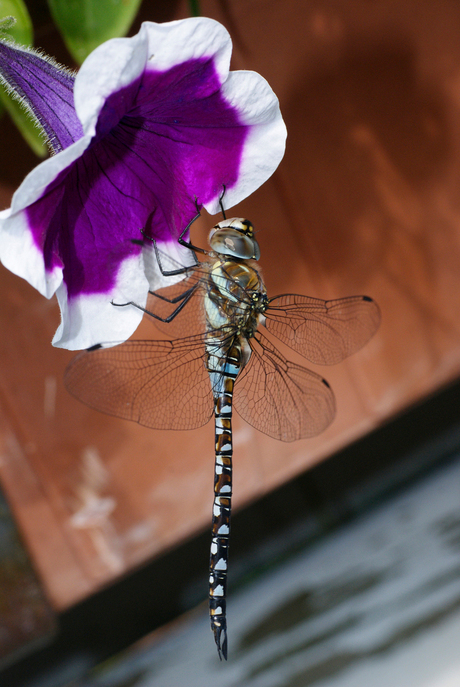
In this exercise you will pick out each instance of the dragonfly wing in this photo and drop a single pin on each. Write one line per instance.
(324, 332)
(160, 384)
(279, 398)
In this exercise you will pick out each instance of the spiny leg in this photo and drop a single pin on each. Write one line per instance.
(182, 242)
(182, 299)
(188, 244)
(178, 270)
(221, 201)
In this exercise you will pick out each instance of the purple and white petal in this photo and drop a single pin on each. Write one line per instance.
(20, 249)
(109, 317)
(87, 319)
(164, 126)
(258, 109)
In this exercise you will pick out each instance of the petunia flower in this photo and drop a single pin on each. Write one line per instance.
(150, 127)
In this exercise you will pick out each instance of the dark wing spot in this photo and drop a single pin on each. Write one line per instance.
(95, 347)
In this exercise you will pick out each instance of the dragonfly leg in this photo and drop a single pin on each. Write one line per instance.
(184, 243)
(193, 249)
(188, 244)
(185, 297)
(221, 201)
(179, 270)
(165, 273)
(186, 294)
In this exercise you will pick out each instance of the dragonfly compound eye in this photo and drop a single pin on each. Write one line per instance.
(235, 237)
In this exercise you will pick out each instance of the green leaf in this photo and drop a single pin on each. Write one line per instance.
(30, 131)
(85, 24)
(21, 31)
(194, 8)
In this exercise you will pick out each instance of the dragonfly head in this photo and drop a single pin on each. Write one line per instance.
(235, 237)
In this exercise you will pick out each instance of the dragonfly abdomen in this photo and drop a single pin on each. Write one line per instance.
(223, 373)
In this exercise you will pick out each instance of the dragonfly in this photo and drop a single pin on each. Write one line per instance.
(227, 360)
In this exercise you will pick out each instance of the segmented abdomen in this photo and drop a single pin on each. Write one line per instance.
(223, 370)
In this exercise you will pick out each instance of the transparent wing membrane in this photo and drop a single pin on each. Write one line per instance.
(165, 384)
(160, 384)
(324, 332)
(282, 399)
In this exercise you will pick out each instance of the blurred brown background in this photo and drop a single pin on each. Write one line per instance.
(366, 201)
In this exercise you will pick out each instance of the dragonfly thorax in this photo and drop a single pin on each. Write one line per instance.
(235, 237)
(234, 279)
(236, 297)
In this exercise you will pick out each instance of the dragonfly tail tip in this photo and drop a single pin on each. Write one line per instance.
(220, 636)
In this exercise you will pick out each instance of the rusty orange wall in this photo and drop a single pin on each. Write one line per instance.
(367, 200)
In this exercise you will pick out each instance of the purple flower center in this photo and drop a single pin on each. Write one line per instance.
(164, 140)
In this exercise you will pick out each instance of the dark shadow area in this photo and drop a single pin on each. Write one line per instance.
(272, 529)
(26, 619)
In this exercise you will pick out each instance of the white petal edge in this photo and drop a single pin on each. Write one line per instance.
(178, 41)
(90, 319)
(19, 254)
(258, 108)
(18, 251)
(119, 61)
(110, 67)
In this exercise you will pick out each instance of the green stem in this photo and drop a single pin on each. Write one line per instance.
(194, 8)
